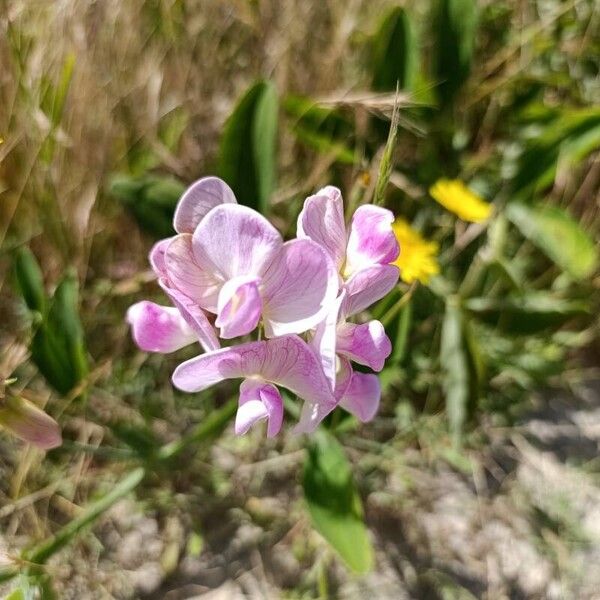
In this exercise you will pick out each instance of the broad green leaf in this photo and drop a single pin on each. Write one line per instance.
(150, 199)
(558, 235)
(566, 139)
(333, 502)
(58, 345)
(455, 368)
(454, 25)
(247, 153)
(526, 314)
(395, 52)
(30, 280)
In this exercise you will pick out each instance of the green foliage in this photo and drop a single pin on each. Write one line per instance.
(454, 25)
(58, 345)
(247, 154)
(395, 52)
(151, 199)
(333, 502)
(559, 236)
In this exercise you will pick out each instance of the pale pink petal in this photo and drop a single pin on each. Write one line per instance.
(159, 328)
(235, 240)
(28, 422)
(324, 340)
(157, 257)
(371, 240)
(310, 417)
(197, 200)
(322, 220)
(366, 344)
(259, 400)
(299, 288)
(362, 396)
(184, 273)
(239, 306)
(367, 286)
(343, 377)
(286, 361)
(195, 317)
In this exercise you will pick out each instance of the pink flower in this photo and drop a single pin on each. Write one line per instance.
(287, 361)
(338, 342)
(362, 253)
(229, 260)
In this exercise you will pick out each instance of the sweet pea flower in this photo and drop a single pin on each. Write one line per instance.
(337, 342)
(287, 361)
(362, 253)
(228, 260)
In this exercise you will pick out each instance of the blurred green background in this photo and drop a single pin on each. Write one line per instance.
(479, 476)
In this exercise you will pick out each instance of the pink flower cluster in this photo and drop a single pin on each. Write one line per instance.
(228, 271)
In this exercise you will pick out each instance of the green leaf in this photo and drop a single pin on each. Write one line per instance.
(454, 27)
(58, 345)
(333, 502)
(395, 52)
(150, 199)
(30, 280)
(558, 235)
(455, 367)
(567, 139)
(247, 153)
(526, 314)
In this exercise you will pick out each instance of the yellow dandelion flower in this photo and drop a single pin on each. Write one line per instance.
(456, 197)
(418, 256)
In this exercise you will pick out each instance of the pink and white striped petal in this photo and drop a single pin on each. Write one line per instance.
(239, 306)
(258, 401)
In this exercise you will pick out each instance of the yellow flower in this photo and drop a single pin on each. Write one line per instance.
(418, 256)
(455, 196)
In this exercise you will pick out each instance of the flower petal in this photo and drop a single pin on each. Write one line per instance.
(366, 344)
(252, 394)
(367, 286)
(187, 276)
(159, 328)
(235, 240)
(195, 317)
(310, 417)
(299, 288)
(286, 361)
(324, 340)
(157, 257)
(322, 220)
(28, 422)
(197, 200)
(371, 240)
(239, 306)
(362, 396)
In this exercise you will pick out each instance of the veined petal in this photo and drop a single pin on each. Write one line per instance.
(194, 316)
(322, 220)
(310, 417)
(299, 288)
(286, 361)
(239, 306)
(371, 240)
(367, 286)
(235, 240)
(366, 344)
(259, 400)
(28, 422)
(197, 200)
(185, 274)
(324, 340)
(362, 396)
(159, 328)
(157, 257)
